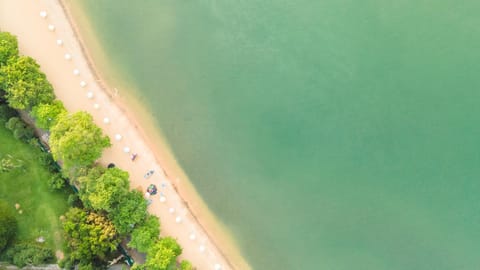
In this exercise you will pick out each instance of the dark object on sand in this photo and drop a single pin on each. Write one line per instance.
(148, 174)
(111, 165)
(152, 189)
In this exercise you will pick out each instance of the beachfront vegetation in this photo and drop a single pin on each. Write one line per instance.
(46, 114)
(145, 235)
(186, 265)
(90, 237)
(104, 192)
(130, 211)
(162, 255)
(25, 85)
(8, 225)
(8, 47)
(77, 141)
(31, 182)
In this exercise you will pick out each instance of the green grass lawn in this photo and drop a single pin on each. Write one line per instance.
(41, 207)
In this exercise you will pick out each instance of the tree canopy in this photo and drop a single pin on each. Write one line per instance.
(163, 254)
(25, 85)
(8, 47)
(145, 235)
(8, 225)
(130, 211)
(76, 140)
(46, 115)
(106, 191)
(89, 236)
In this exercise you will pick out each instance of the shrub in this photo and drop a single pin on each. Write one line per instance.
(56, 182)
(29, 254)
(74, 200)
(20, 130)
(186, 265)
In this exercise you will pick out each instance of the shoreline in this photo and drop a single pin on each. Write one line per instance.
(181, 196)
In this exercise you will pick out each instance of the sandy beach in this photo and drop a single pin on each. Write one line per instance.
(52, 40)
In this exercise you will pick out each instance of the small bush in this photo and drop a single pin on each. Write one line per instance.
(74, 200)
(186, 265)
(20, 130)
(29, 254)
(56, 182)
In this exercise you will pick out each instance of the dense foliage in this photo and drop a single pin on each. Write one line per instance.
(130, 211)
(90, 236)
(76, 140)
(8, 225)
(145, 235)
(25, 85)
(46, 115)
(29, 254)
(106, 191)
(163, 254)
(8, 47)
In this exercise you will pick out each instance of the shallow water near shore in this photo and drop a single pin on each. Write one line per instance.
(331, 135)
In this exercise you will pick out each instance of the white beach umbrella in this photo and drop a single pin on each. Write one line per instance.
(217, 266)
(51, 27)
(178, 219)
(192, 236)
(201, 248)
(89, 94)
(106, 120)
(163, 199)
(83, 84)
(59, 42)
(147, 195)
(171, 210)
(118, 137)
(67, 56)
(76, 72)
(96, 106)
(43, 14)
(126, 149)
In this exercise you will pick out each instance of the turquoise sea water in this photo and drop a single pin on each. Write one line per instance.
(325, 134)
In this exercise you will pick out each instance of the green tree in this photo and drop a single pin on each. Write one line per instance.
(8, 225)
(76, 140)
(163, 254)
(144, 236)
(131, 210)
(186, 265)
(90, 236)
(104, 192)
(46, 115)
(25, 85)
(8, 47)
